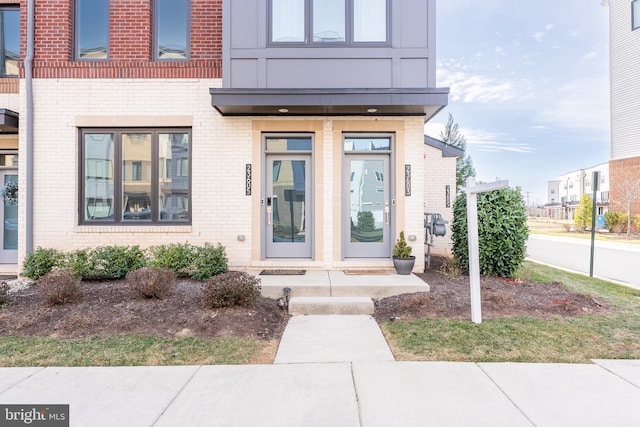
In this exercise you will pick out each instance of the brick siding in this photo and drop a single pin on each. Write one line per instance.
(622, 172)
(130, 42)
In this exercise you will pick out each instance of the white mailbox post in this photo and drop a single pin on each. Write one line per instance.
(472, 226)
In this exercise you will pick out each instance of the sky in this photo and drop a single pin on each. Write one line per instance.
(529, 87)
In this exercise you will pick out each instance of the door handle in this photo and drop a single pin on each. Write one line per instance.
(386, 215)
(269, 215)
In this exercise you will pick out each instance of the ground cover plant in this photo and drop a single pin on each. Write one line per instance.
(543, 315)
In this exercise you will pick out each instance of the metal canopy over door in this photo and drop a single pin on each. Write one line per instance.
(287, 200)
(367, 203)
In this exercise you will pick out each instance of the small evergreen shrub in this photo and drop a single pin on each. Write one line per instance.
(401, 248)
(209, 261)
(41, 261)
(583, 216)
(177, 257)
(60, 287)
(151, 282)
(79, 262)
(231, 289)
(114, 262)
(502, 232)
(4, 294)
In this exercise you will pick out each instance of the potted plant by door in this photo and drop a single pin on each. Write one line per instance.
(403, 261)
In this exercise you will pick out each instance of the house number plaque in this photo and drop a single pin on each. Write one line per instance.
(248, 179)
(407, 180)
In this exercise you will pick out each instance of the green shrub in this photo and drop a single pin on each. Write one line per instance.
(41, 261)
(611, 219)
(584, 213)
(502, 232)
(231, 289)
(59, 287)
(114, 262)
(177, 257)
(150, 282)
(79, 262)
(401, 248)
(209, 261)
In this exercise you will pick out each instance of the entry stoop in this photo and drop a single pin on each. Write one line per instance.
(336, 283)
(330, 305)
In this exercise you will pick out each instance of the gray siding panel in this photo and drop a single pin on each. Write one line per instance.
(410, 24)
(328, 73)
(625, 82)
(244, 73)
(406, 63)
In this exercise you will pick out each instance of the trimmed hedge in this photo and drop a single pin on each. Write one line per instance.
(502, 232)
(114, 262)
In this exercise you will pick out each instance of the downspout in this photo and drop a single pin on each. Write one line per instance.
(28, 76)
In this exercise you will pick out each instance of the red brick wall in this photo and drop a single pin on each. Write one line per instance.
(130, 35)
(622, 174)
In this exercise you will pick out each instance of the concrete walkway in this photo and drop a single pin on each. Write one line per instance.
(337, 394)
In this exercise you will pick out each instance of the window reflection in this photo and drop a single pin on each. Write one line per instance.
(329, 20)
(98, 176)
(172, 29)
(370, 21)
(136, 176)
(9, 41)
(92, 29)
(174, 176)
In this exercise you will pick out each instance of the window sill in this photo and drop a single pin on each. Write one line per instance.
(138, 229)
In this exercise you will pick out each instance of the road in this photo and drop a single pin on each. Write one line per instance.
(614, 261)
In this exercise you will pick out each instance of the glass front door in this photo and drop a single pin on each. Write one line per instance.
(287, 206)
(9, 217)
(367, 212)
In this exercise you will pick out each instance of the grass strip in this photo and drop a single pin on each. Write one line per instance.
(527, 339)
(126, 350)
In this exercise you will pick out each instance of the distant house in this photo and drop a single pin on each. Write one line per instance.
(624, 164)
(565, 193)
(290, 131)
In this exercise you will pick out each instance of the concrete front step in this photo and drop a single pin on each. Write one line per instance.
(335, 283)
(330, 305)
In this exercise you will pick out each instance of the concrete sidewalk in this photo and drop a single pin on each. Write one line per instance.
(337, 394)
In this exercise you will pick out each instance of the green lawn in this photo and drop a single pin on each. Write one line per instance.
(127, 350)
(523, 339)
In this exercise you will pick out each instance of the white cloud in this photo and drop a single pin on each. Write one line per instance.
(549, 27)
(590, 55)
(489, 141)
(538, 36)
(468, 87)
(482, 139)
(581, 104)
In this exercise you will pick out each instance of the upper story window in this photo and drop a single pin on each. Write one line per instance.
(91, 29)
(635, 14)
(171, 30)
(10, 43)
(329, 22)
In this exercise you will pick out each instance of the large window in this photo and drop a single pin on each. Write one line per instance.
(171, 29)
(635, 14)
(91, 29)
(329, 22)
(10, 42)
(135, 176)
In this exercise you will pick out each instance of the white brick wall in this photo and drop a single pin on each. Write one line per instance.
(220, 149)
(439, 172)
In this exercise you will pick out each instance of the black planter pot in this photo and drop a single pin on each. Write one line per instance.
(404, 266)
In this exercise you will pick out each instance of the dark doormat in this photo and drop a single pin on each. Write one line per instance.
(282, 272)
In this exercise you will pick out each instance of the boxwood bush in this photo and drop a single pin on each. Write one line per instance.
(502, 232)
(114, 262)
